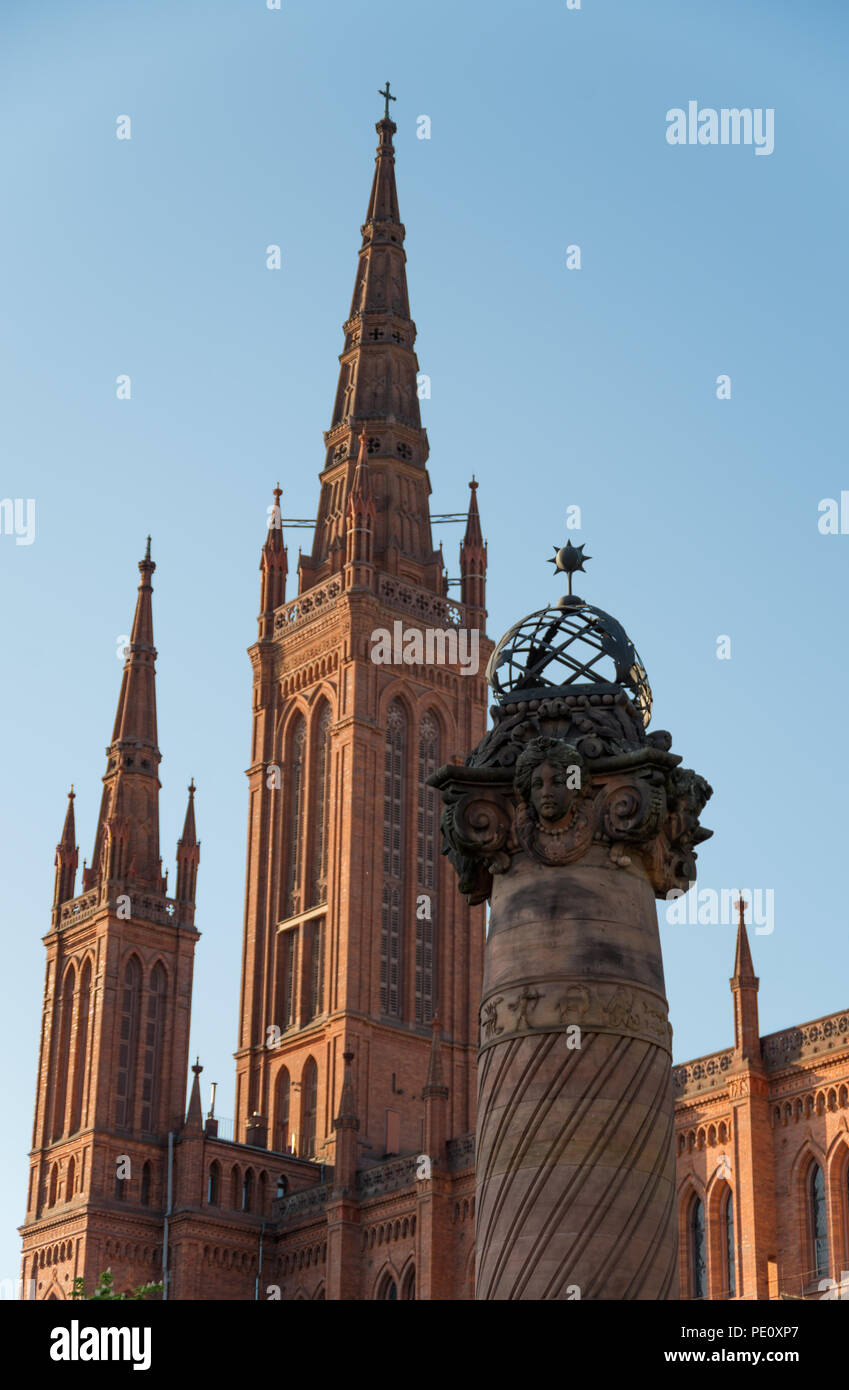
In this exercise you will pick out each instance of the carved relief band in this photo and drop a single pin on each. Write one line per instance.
(560, 1004)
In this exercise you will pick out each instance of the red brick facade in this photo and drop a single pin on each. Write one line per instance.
(764, 1125)
(351, 1171)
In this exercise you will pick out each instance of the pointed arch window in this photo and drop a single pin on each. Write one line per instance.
(698, 1254)
(152, 1056)
(53, 1192)
(427, 840)
(147, 1173)
(393, 860)
(297, 750)
(70, 1179)
(248, 1190)
(730, 1250)
(818, 1220)
(213, 1186)
(309, 1108)
(387, 1289)
(63, 1053)
(81, 1050)
(321, 801)
(281, 1110)
(125, 1081)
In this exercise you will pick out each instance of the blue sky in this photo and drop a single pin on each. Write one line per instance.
(594, 388)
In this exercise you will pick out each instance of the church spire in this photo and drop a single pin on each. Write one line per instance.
(378, 395)
(126, 846)
(744, 990)
(67, 858)
(135, 718)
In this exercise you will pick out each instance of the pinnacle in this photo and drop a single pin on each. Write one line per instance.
(474, 535)
(744, 970)
(189, 835)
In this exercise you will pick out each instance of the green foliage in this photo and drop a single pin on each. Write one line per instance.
(105, 1288)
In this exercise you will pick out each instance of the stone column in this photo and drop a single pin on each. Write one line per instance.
(572, 820)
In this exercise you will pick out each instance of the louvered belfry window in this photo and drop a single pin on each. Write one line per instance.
(393, 861)
(81, 1061)
(316, 999)
(297, 749)
(152, 1054)
(322, 808)
(63, 1054)
(290, 977)
(126, 1076)
(427, 842)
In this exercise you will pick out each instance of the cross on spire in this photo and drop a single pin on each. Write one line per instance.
(741, 910)
(387, 97)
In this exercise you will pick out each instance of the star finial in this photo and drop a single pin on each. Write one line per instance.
(568, 559)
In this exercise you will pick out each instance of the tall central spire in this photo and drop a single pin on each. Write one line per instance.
(377, 393)
(126, 847)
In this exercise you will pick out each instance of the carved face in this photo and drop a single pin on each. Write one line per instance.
(551, 795)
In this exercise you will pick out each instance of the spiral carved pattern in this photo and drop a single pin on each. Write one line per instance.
(575, 1170)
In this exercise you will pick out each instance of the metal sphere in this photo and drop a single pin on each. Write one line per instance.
(574, 648)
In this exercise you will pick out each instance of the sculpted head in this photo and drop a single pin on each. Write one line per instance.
(549, 777)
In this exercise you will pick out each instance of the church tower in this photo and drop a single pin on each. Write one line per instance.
(115, 1017)
(364, 683)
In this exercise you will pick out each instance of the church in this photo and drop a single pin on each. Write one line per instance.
(350, 1172)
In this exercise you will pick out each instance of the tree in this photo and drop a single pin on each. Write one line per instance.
(105, 1288)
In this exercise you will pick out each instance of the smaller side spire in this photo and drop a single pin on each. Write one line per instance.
(67, 858)
(473, 557)
(274, 566)
(346, 1125)
(188, 858)
(435, 1097)
(194, 1117)
(744, 990)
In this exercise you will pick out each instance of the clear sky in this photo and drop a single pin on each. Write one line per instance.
(593, 387)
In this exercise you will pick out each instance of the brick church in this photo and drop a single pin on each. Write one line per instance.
(350, 1170)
